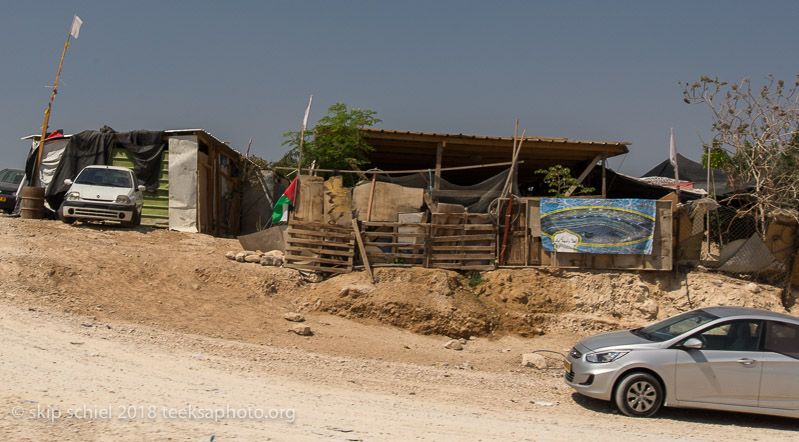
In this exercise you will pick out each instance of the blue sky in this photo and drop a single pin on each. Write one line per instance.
(586, 70)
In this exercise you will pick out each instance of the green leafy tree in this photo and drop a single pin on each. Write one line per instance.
(560, 180)
(335, 143)
(754, 140)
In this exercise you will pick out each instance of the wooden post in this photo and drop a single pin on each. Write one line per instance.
(604, 176)
(437, 179)
(361, 247)
(371, 198)
(35, 178)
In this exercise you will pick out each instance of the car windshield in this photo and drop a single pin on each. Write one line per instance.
(674, 326)
(104, 177)
(12, 176)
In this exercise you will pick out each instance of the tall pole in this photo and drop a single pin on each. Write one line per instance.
(35, 178)
(302, 134)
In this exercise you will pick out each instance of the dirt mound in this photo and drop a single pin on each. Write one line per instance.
(183, 281)
(425, 301)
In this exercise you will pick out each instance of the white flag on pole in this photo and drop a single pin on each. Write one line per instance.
(75, 30)
(307, 112)
(673, 158)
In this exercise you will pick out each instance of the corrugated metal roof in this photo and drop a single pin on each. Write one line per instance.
(487, 138)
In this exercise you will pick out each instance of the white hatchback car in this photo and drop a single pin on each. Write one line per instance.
(106, 193)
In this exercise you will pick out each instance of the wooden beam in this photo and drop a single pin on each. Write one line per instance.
(388, 172)
(583, 175)
(437, 182)
(362, 249)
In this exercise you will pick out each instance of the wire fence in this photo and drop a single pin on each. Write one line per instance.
(734, 244)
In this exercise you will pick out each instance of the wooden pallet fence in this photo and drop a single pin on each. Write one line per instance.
(463, 241)
(319, 247)
(395, 243)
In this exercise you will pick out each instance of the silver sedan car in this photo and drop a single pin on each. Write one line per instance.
(721, 358)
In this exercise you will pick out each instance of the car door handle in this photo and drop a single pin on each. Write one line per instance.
(745, 361)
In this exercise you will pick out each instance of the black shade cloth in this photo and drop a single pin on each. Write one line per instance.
(145, 149)
(83, 149)
(92, 147)
(491, 188)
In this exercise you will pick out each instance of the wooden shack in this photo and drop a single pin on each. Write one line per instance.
(197, 180)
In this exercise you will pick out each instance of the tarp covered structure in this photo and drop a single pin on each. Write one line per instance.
(65, 158)
(690, 171)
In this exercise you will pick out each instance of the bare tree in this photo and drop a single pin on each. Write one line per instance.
(754, 141)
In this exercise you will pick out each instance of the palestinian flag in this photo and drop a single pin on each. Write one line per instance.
(281, 211)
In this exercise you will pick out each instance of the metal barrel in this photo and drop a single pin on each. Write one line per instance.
(32, 203)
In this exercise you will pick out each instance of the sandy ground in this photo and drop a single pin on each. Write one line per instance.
(115, 335)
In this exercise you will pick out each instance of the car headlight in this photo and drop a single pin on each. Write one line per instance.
(123, 199)
(73, 196)
(605, 356)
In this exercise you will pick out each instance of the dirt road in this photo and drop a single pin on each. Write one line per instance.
(153, 335)
(116, 381)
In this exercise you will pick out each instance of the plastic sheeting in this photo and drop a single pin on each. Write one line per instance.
(487, 191)
(746, 256)
(183, 174)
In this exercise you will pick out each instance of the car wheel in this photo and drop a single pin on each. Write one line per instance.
(135, 220)
(639, 395)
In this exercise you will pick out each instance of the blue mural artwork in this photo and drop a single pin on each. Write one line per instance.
(607, 226)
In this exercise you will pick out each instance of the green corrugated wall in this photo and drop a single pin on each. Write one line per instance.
(156, 204)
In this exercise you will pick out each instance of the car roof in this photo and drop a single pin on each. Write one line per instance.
(733, 311)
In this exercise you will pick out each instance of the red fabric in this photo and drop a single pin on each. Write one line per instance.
(291, 191)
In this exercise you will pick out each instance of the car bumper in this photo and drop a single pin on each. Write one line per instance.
(7, 202)
(591, 379)
(101, 211)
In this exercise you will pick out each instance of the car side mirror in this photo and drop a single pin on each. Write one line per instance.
(68, 182)
(141, 187)
(692, 344)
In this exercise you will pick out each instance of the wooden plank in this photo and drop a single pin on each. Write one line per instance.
(388, 224)
(318, 268)
(396, 245)
(490, 237)
(583, 175)
(293, 231)
(318, 250)
(315, 242)
(410, 256)
(315, 226)
(393, 235)
(315, 259)
(463, 248)
(461, 256)
(462, 267)
(470, 227)
(357, 232)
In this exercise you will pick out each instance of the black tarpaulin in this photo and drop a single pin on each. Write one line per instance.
(92, 147)
(145, 149)
(86, 148)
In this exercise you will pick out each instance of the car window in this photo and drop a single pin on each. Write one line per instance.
(782, 338)
(11, 176)
(104, 177)
(675, 326)
(735, 335)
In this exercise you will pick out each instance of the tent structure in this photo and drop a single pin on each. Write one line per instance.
(194, 174)
(690, 171)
